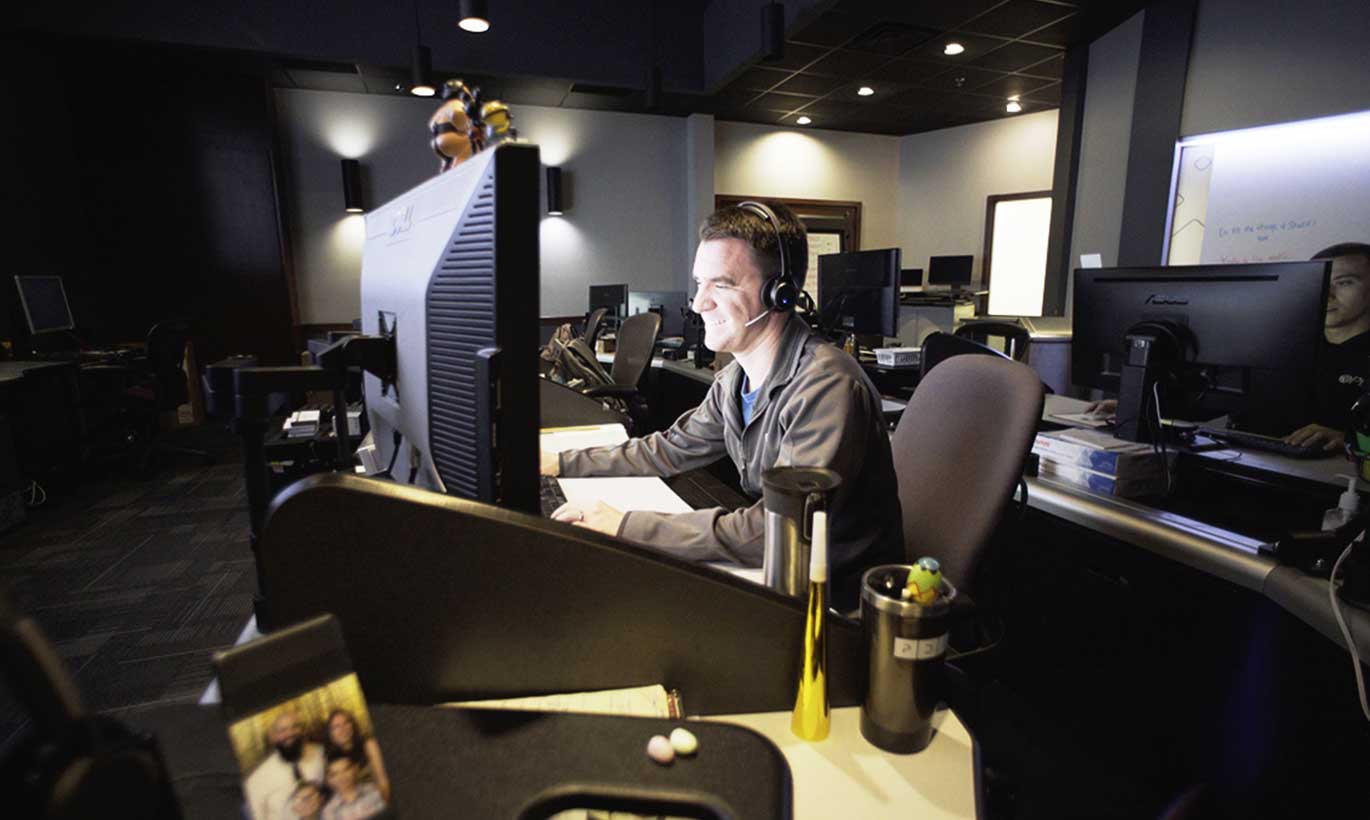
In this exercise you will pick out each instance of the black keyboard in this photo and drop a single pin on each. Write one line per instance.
(1269, 444)
(552, 496)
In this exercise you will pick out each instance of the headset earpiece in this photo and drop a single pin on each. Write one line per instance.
(779, 292)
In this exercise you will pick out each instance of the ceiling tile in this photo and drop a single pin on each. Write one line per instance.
(783, 102)
(833, 28)
(1047, 68)
(1069, 32)
(883, 92)
(1017, 17)
(975, 46)
(1014, 56)
(961, 78)
(905, 72)
(1050, 94)
(797, 55)
(848, 64)
(926, 99)
(760, 79)
(891, 38)
(810, 84)
(1008, 86)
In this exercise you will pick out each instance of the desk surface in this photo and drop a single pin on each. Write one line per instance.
(15, 370)
(844, 776)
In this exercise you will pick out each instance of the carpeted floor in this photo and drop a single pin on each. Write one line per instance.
(136, 580)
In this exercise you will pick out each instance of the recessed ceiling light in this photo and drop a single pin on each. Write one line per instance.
(475, 25)
(865, 91)
(953, 48)
(423, 90)
(803, 120)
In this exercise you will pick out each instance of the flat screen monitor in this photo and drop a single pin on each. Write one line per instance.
(1252, 336)
(858, 292)
(450, 269)
(911, 278)
(670, 304)
(949, 270)
(45, 303)
(613, 298)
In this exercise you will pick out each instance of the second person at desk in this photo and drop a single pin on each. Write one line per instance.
(788, 398)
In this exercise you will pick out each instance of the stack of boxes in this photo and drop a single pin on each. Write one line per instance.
(1100, 463)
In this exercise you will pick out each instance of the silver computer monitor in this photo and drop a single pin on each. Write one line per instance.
(450, 269)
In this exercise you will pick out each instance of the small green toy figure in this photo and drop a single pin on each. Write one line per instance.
(925, 582)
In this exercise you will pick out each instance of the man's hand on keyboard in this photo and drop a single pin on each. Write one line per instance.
(1316, 434)
(601, 517)
(551, 464)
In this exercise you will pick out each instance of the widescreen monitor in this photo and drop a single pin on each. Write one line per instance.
(450, 269)
(45, 303)
(911, 278)
(1252, 336)
(950, 270)
(858, 292)
(670, 304)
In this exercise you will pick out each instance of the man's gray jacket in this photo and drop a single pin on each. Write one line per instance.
(817, 409)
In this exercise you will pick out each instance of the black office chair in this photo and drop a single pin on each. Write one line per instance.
(593, 325)
(938, 347)
(632, 356)
(162, 388)
(1016, 337)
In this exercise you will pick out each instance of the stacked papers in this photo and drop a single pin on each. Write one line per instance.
(1101, 463)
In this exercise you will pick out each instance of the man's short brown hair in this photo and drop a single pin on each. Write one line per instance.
(734, 222)
(1342, 249)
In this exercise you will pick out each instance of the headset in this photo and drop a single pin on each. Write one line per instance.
(779, 293)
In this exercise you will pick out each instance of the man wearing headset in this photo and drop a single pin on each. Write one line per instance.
(788, 398)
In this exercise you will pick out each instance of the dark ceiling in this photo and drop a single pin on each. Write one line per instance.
(596, 54)
(1012, 47)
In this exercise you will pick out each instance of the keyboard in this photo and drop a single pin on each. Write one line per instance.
(552, 496)
(1269, 444)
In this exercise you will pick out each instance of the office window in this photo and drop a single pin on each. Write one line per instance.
(1016, 230)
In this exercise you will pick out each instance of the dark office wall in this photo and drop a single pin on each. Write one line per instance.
(144, 178)
(1257, 62)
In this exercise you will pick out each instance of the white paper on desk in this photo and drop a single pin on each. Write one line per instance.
(1101, 440)
(578, 438)
(627, 494)
(1086, 419)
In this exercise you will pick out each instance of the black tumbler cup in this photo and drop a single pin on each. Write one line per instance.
(906, 647)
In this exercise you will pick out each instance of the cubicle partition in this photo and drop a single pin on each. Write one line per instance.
(443, 599)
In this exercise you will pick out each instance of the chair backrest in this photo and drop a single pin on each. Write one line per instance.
(938, 347)
(1016, 338)
(592, 327)
(166, 347)
(633, 354)
(959, 451)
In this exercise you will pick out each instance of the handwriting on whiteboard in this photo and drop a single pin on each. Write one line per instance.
(1264, 230)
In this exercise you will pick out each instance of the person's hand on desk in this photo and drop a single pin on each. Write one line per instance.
(551, 464)
(600, 518)
(1316, 434)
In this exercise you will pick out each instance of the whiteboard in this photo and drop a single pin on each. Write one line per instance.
(1271, 194)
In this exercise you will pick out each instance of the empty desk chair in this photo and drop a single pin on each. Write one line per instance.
(632, 356)
(938, 347)
(958, 454)
(1016, 337)
(593, 325)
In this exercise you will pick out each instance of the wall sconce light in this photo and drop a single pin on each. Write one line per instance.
(353, 201)
(475, 17)
(555, 205)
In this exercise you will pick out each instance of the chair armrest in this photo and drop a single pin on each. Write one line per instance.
(616, 391)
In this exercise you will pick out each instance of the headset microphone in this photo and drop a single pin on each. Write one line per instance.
(759, 317)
